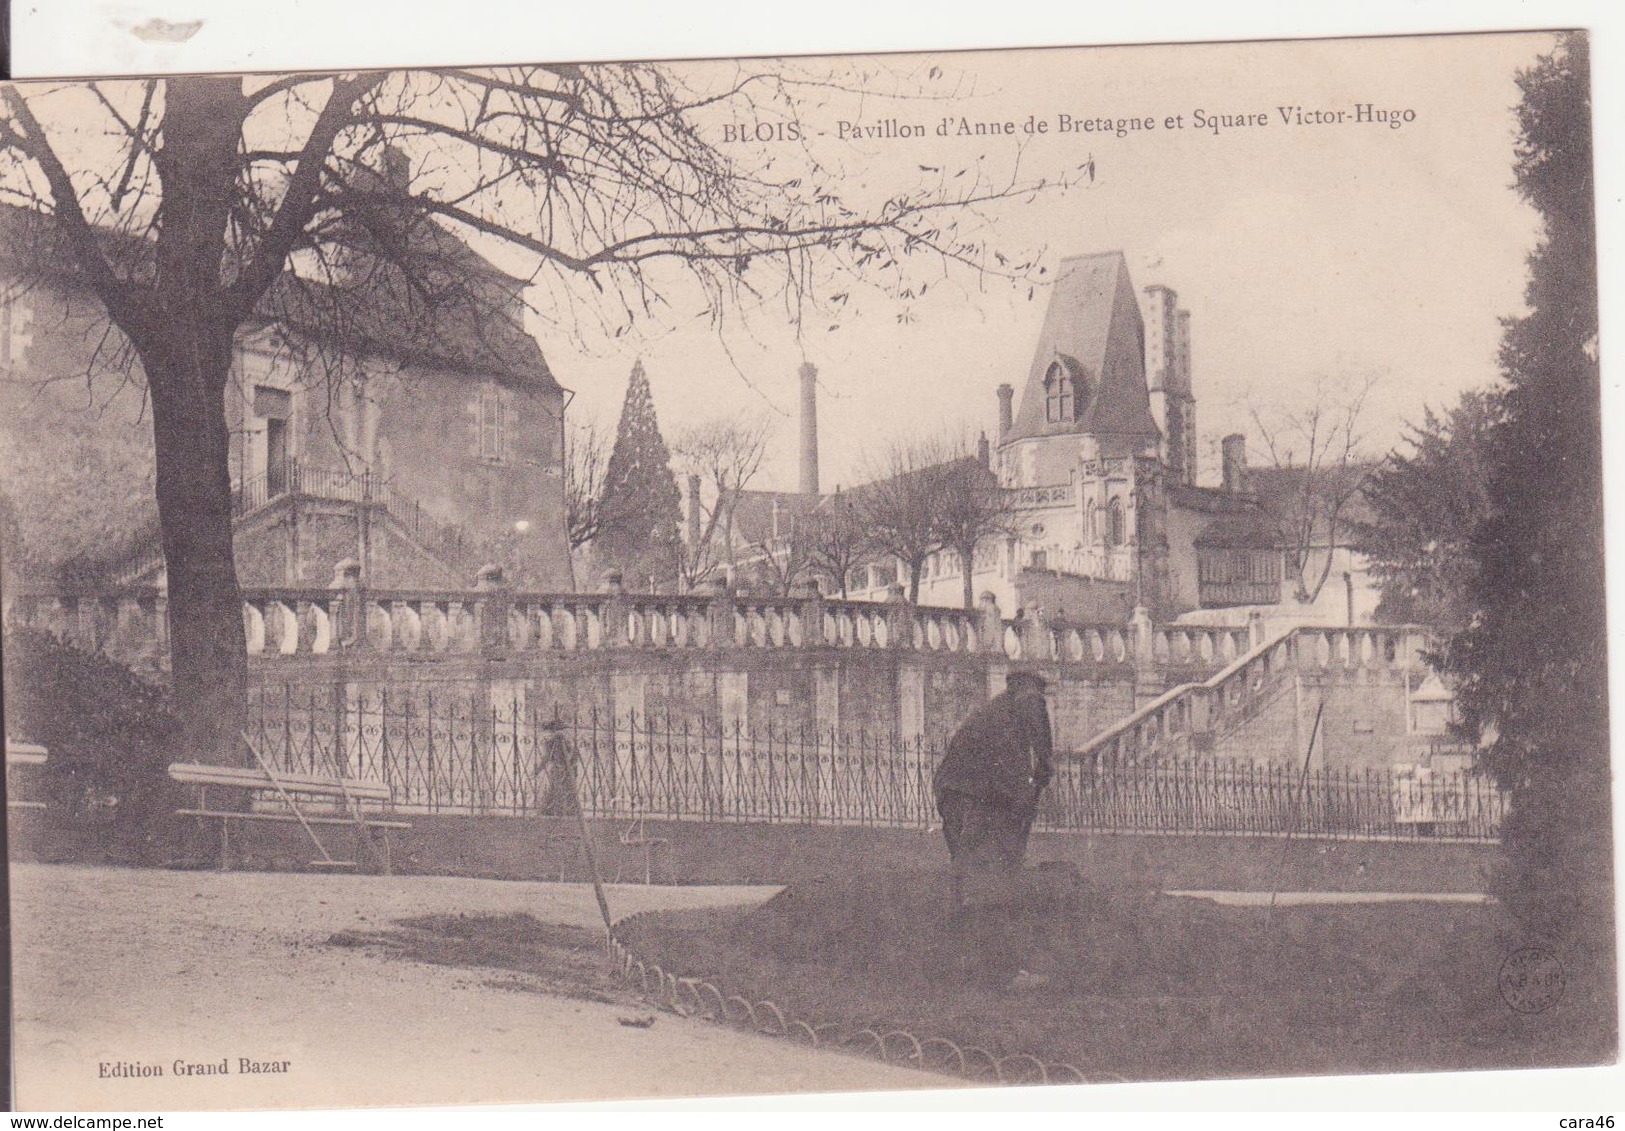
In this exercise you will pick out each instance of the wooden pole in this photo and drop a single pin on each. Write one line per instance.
(556, 753)
(1297, 803)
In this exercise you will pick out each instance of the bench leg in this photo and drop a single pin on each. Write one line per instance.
(225, 845)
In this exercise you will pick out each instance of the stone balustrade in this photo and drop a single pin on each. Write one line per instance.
(1171, 725)
(493, 619)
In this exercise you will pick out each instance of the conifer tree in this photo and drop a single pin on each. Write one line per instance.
(640, 514)
(1533, 665)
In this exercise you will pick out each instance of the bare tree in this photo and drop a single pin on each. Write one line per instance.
(901, 504)
(1319, 469)
(785, 559)
(586, 455)
(193, 207)
(838, 540)
(725, 453)
(970, 508)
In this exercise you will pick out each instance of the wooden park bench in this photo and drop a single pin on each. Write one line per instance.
(341, 800)
(22, 754)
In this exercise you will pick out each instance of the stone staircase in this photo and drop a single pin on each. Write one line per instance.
(1251, 710)
(431, 553)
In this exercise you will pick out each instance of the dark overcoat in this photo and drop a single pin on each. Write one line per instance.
(1001, 752)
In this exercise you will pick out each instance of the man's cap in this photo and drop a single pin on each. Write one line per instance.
(1026, 675)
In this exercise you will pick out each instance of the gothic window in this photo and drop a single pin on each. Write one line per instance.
(1061, 395)
(1114, 520)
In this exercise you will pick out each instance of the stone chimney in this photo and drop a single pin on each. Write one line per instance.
(809, 428)
(1234, 454)
(1007, 412)
(693, 511)
(984, 454)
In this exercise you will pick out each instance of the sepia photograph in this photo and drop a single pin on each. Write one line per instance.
(637, 580)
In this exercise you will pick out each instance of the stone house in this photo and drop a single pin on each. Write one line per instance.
(418, 437)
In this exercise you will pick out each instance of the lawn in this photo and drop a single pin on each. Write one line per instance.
(1139, 985)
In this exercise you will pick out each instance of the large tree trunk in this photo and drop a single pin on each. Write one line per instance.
(208, 652)
(186, 349)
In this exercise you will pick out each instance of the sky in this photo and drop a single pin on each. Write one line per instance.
(1340, 251)
(1311, 253)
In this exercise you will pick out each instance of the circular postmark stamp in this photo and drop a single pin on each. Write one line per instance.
(1531, 979)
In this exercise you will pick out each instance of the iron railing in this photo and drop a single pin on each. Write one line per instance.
(446, 749)
(294, 477)
(1218, 796)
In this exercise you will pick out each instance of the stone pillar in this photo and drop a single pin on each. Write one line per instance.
(616, 610)
(1035, 642)
(990, 626)
(1148, 680)
(827, 699)
(1255, 630)
(491, 608)
(812, 614)
(733, 699)
(350, 609)
(627, 691)
(910, 700)
(1141, 627)
(899, 619)
(720, 612)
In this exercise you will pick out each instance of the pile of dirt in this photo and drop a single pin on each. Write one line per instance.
(902, 929)
(1143, 985)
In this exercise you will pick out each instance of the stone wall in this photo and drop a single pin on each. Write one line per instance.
(879, 668)
(875, 691)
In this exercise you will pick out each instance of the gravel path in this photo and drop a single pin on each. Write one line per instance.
(116, 967)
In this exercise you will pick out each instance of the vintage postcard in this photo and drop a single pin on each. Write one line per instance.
(557, 582)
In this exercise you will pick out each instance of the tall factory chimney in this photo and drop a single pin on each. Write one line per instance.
(809, 428)
(693, 512)
(1007, 412)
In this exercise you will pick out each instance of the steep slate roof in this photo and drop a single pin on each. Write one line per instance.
(463, 334)
(753, 510)
(1093, 325)
(473, 325)
(753, 513)
(1239, 532)
(1210, 500)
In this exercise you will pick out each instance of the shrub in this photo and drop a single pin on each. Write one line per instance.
(110, 736)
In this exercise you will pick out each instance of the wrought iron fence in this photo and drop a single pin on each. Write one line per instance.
(1222, 796)
(457, 752)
